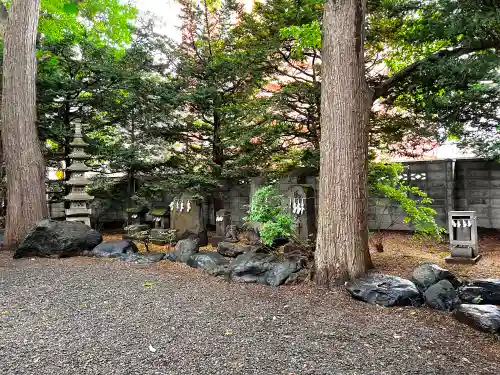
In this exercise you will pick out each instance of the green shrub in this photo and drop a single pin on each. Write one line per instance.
(267, 209)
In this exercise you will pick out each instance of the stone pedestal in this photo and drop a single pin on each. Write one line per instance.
(186, 217)
(79, 209)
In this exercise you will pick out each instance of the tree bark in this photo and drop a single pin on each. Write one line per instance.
(24, 164)
(342, 242)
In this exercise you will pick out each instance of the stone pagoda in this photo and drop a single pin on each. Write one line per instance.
(79, 209)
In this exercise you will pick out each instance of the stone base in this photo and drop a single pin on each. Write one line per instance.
(461, 260)
(84, 220)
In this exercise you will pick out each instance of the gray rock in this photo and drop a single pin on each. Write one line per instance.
(147, 258)
(263, 268)
(251, 267)
(486, 291)
(442, 296)
(114, 249)
(280, 271)
(428, 274)
(232, 250)
(208, 261)
(385, 290)
(185, 248)
(484, 318)
(49, 238)
(298, 277)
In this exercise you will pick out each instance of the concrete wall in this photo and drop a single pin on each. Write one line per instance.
(436, 178)
(477, 188)
(462, 185)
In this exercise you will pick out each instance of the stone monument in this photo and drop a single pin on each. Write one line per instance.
(463, 237)
(222, 222)
(301, 202)
(79, 209)
(186, 217)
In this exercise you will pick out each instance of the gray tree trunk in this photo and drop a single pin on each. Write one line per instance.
(342, 242)
(24, 164)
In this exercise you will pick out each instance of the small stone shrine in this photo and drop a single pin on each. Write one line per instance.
(463, 237)
(161, 234)
(137, 215)
(186, 217)
(302, 208)
(160, 218)
(79, 209)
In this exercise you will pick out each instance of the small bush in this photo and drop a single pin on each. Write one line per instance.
(267, 209)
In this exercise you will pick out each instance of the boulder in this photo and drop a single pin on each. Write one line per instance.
(206, 260)
(114, 249)
(251, 267)
(428, 274)
(232, 250)
(484, 318)
(49, 238)
(385, 290)
(486, 291)
(202, 237)
(281, 270)
(147, 258)
(185, 248)
(442, 296)
(298, 277)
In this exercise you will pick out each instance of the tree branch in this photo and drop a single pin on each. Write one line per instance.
(385, 87)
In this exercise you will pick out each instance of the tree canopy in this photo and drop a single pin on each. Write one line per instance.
(240, 95)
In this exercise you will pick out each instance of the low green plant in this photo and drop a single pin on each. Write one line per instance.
(267, 209)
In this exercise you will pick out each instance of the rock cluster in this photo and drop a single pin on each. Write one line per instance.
(247, 263)
(240, 263)
(472, 302)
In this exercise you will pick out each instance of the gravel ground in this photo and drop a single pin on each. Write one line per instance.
(86, 316)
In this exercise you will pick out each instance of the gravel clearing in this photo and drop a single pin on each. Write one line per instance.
(88, 316)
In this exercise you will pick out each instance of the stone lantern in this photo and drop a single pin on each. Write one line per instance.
(79, 200)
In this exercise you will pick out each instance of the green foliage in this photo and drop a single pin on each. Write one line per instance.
(267, 209)
(386, 181)
(433, 67)
(102, 22)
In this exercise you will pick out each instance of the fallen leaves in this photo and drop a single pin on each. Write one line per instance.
(148, 284)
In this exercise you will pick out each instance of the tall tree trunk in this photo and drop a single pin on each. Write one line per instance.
(217, 158)
(342, 242)
(24, 164)
(131, 171)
